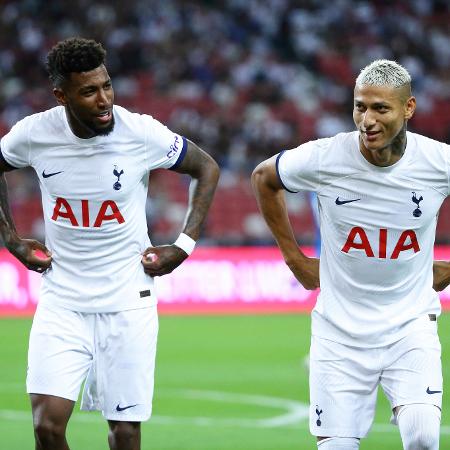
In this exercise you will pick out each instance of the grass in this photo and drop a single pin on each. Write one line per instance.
(219, 379)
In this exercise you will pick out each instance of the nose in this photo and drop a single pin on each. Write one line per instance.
(102, 99)
(368, 119)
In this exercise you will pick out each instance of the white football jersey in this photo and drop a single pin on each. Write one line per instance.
(377, 227)
(93, 195)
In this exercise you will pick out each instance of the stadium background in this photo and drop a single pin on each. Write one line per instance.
(244, 79)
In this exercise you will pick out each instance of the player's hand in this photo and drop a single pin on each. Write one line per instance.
(306, 270)
(162, 260)
(441, 275)
(32, 254)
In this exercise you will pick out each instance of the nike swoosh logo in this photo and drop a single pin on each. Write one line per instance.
(343, 202)
(118, 408)
(47, 175)
(432, 392)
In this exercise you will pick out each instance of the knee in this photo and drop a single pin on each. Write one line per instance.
(48, 433)
(419, 426)
(423, 441)
(123, 433)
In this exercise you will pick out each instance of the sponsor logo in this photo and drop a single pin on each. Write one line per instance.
(429, 391)
(358, 240)
(343, 202)
(174, 148)
(48, 175)
(108, 211)
(119, 408)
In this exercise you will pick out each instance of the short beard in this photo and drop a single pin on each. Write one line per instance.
(104, 131)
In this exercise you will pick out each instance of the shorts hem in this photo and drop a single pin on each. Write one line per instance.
(334, 432)
(65, 396)
(122, 418)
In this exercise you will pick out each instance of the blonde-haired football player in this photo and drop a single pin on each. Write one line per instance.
(379, 191)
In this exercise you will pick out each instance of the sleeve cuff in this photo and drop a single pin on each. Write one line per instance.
(6, 163)
(277, 163)
(182, 154)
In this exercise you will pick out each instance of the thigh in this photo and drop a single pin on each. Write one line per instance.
(126, 349)
(343, 389)
(414, 371)
(59, 353)
(50, 411)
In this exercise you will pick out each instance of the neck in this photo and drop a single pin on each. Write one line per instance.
(78, 128)
(389, 155)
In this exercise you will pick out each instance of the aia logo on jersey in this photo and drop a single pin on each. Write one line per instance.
(108, 211)
(116, 173)
(174, 148)
(358, 240)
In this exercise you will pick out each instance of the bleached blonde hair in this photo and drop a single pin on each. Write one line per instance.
(384, 72)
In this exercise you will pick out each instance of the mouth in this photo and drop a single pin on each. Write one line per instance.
(370, 135)
(104, 117)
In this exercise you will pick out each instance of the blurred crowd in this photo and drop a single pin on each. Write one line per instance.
(244, 79)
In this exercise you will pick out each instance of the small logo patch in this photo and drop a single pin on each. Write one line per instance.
(343, 202)
(318, 421)
(417, 212)
(146, 293)
(429, 391)
(116, 173)
(119, 408)
(48, 175)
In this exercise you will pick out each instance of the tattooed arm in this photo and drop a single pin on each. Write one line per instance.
(204, 172)
(23, 249)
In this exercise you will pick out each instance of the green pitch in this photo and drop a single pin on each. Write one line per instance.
(228, 382)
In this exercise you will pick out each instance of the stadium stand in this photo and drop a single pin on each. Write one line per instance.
(242, 78)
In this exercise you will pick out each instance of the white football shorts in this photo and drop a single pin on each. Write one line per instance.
(114, 353)
(344, 381)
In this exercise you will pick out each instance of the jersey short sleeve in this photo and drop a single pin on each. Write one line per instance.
(299, 169)
(14, 146)
(166, 149)
(447, 158)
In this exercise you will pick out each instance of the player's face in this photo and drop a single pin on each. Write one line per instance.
(380, 114)
(88, 98)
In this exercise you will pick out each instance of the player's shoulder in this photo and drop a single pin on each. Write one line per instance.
(425, 141)
(130, 117)
(426, 147)
(38, 123)
(339, 141)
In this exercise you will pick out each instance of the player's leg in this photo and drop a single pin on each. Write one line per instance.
(120, 383)
(413, 385)
(343, 388)
(419, 426)
(50, 417)
(124, 435)
(337, 443)
(58, 360)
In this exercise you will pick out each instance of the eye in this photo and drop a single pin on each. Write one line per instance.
(359, 107)
(88, 93)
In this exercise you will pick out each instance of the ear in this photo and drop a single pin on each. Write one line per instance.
(410, 107)
(60, 96)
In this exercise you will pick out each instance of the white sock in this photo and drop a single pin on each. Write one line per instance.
(338, 443)
(419, 426)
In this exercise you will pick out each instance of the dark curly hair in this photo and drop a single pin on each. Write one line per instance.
(73, 55)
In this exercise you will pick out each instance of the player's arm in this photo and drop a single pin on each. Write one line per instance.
(23, 249)
(271, 200)
(441, 275)
(204, 173)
